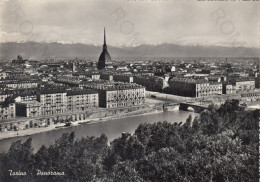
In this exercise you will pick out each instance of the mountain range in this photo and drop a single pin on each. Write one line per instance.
(35, 50)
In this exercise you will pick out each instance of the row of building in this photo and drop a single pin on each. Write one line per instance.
(150, 82)
(51, 101)
(189, 85)
(202, 88)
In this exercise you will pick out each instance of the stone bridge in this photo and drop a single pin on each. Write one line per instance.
(194, 106)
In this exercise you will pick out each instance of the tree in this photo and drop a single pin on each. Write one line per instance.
(18, 158)
(219, 145)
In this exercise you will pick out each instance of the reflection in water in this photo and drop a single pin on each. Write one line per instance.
(112, 128)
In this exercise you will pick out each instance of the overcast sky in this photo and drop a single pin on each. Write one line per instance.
(130, 22)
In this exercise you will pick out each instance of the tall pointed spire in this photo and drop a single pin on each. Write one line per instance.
(105, 45)
(104, 35)
(104, 56)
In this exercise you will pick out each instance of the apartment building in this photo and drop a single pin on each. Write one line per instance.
(81, 100)
(118, 94)
(53, 101)
(194, 88)
(7, 110)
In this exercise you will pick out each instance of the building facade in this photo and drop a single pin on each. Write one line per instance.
(81, 100)
(243, 85)
(118, 94)
(7, 111)
(28, 109)
(53, 102)
(194, 88)
(151, 83)
(228, 88)
(123, 97)
(123, 78)
(19, 84)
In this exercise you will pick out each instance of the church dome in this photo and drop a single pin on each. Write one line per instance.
(104, 56)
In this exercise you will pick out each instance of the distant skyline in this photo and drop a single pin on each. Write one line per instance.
(130, 22)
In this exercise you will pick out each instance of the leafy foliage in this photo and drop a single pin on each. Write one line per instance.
(220, 145)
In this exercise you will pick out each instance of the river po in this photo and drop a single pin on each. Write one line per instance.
(111, 128)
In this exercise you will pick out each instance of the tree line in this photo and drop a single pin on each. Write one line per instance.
(219, 145)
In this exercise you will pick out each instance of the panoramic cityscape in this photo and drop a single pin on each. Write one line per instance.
(38, 94)
(129, 110)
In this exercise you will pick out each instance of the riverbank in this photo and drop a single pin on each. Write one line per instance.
(112, 128)
(58, 126)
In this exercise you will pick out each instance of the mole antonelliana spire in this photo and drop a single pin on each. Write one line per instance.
(104, 35)
(104, 56)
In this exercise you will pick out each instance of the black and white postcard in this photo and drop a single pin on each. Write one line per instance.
(129, 90)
